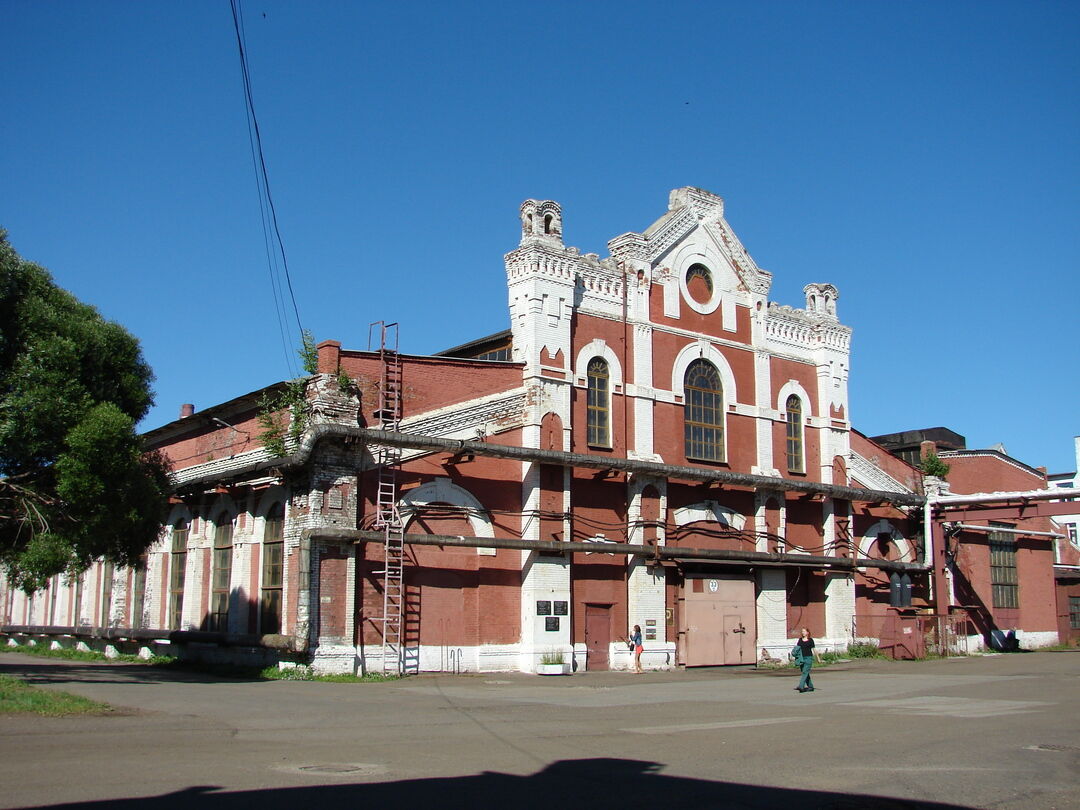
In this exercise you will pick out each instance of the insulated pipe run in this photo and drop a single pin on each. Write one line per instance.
(655, 552)
(435, 444)
(1003, 530)
(1052, 494)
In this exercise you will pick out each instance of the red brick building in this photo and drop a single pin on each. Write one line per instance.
(652, 442)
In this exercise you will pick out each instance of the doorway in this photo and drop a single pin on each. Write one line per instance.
(718, 620)
(597, 637)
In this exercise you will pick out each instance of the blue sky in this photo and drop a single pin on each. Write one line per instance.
(920, 156)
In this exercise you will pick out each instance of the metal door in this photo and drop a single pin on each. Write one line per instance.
(718, 620)
(735, 647)
(597, 636)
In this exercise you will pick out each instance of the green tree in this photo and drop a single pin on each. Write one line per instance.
(931, 464)
(75, 483)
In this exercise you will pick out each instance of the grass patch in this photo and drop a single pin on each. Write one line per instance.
(18, 697)
(863, 649)
(271, 673)
(306, 674)
(69, 654)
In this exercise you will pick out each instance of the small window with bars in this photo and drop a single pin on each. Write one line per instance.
(1003, 577)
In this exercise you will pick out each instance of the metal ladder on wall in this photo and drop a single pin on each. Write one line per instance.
(387, 516)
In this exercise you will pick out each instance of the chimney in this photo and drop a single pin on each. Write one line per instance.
(329, 353)
(926, 448)
(186, 410)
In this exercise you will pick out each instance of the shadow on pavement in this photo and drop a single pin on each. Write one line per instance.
(592, 783)
(38, 671)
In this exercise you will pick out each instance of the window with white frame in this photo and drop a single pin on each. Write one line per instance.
(795, 458)
(704, 412)
(272, 567)
(177, 566)
(221, 576)
(599, 403)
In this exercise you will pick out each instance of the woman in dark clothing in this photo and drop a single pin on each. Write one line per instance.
(804, 657)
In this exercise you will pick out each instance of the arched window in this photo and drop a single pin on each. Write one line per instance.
(599, 403)
(704, 412)
(272, 566)
(177, 564)
(222, 574)
(795, 460)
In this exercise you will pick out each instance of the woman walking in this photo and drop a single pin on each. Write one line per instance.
(804, 659)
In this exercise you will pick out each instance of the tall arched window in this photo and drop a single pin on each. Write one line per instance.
(272, 566)
(177, 564)
(704, 412)
(795, 461)
(599, 403)
(222, 574)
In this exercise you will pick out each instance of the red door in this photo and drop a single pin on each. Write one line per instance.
(597, 636)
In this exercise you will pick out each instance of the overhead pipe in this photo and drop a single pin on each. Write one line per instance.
(561, 458)
(1004, 530)
(1052, 494)
(335, 534)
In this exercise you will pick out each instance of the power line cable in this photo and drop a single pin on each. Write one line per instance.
(267, 210)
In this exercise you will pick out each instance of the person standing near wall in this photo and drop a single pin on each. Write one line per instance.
(635, 645)
(804, 659)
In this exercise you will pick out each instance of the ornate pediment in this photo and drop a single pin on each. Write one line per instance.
(694, 213)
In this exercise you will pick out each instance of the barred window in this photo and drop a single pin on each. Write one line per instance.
(1003, 579)
(795, 460)
(177, 564)
(704, 412)
(1074, 612)
(599, 403)
(222, 574)
(272, 568)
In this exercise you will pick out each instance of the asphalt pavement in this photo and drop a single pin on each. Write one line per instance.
(982, 732)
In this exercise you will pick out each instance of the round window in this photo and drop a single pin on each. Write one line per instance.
(699, 283)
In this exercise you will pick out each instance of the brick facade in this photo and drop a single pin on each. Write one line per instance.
(689, 346)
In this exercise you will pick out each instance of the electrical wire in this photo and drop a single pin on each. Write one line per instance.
(267, 210)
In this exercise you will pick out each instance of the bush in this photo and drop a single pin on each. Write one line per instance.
(864, 649)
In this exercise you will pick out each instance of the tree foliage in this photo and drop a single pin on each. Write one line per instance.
(931, 464)
(74, 482)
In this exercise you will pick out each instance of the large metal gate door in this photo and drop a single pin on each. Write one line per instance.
(719, 624)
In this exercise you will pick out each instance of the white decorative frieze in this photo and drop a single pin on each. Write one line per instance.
(871, 476)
